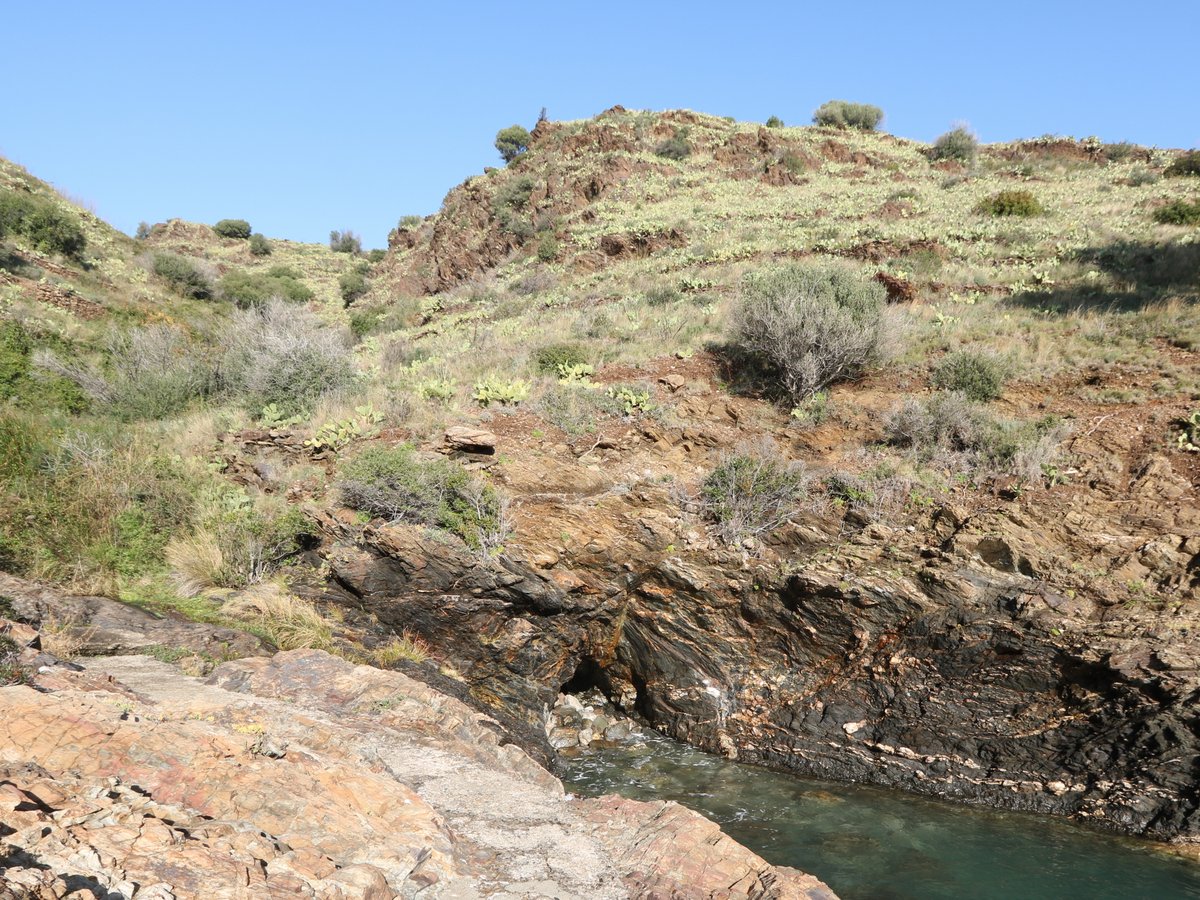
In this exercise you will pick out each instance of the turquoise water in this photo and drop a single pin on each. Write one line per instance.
(871, 844)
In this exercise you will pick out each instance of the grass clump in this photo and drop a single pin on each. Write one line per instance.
(233, 228)
(248, 289)
(1178, 212)
(751, 493)
(398, 485)
(43, 225)
(287, 621)
(1184, 166)
(959, 145)
(406, 647)
(843, 114)
(183, 274)
(1022, 204)
(809, 325)
(977, 376)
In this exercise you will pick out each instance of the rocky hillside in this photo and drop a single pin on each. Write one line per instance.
(523, 452)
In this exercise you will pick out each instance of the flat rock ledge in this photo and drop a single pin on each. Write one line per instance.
(303, 775)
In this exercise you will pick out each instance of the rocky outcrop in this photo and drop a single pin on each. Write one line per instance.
(980, 654)
(305, 775)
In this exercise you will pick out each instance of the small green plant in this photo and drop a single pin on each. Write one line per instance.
(577, 374)
(143, 231)
(182, 274)
(396, 484)
(441, 390)
(843, 114)
(1120, 151)
(1184, 166)
(352, 285)
(409, 221)
(632, 400)
(1021, 204)
(259, 245)
(496, 389)
(675, 147)
(233, 228)
(1188, 437)
(978, 376)
(547, 249)
(813, 411)
(339, 434)
(273, 417)
(1178, 212)
(551, 359)
(959, 145)
(752, 492)
(41, 223)
(512, 142)
(248, 289)
(774, 122)
(345, 242)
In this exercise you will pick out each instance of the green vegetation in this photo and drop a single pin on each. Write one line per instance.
(751, 493)
(807, 326)
(978, 376)
(843, 114)
(675, 147)
(1021, 204)
(959, 145)
(512, 142)
(398, 485)
(233, 228)
(256, 288)
(553, 358)
(352, 285)
(345, 242)
(774, 122)
(1183, 166)
(1178, 212)
(259, 245)
(183, 274)
(43, 225)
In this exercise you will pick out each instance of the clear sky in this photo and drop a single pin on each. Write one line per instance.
(304, 117)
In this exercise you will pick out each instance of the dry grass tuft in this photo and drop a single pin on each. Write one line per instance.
(407, 646)
(288, 621)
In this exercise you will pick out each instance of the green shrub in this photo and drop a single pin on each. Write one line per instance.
(363, 321)
(663, 295)
(978, 376)
(1186, 165)
(1178, 212)
(676, 147)
(547, 250)
(410, 222)
(493, 388)
(143, 231)
(809, 325)
(259, 245)
(283, 354)
(1120, 151)
(23, 384)
(378, 254)
(352, 285)
(182, 274)
(1011, 203)
(1142, 177)
(396, 484)
(233, 228)
(552, 358)
(751, 493)
(959, 145)
(843, 114)
(345, 242)
(512, 142)
(513, 194)
(255, 288)
(774, 122)
(41, 223)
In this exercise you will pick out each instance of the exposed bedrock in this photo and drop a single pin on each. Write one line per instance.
(947, 673)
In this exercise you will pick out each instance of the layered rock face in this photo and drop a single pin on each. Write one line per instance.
(977, 656)
(304, 775)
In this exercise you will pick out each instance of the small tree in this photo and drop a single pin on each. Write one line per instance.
(345, 242)
(1188, 164)
(512, 142)
(143, 231)
(233, 228)
(810, 325)
(259, 245)
(843, 114)
(774, 122)
(959, 145)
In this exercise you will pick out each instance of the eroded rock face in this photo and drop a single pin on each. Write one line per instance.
(305, 775)
(966, 658)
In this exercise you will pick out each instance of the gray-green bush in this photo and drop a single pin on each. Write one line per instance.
(283, 354)
(959, 145)
(843, 114)
(233, 228)
(752, 492)
(183, 274)
(809, 325)
(978, 376)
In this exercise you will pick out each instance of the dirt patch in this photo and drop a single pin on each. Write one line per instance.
(631, 244)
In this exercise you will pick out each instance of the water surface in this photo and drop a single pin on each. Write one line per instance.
(873, 844)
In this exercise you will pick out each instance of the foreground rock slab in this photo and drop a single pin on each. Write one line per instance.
(304, 775)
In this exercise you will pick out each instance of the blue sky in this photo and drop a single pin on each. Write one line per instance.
(305, 117)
